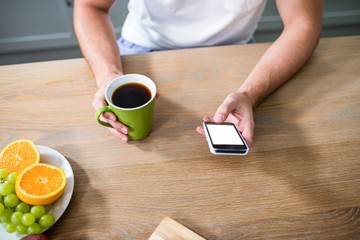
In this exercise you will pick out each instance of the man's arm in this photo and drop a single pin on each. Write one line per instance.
(97, 41)
(302, 27)
(96, 38)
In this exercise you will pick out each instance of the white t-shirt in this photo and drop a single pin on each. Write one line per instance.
(169, 24)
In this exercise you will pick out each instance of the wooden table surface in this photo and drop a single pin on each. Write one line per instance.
(301, 179)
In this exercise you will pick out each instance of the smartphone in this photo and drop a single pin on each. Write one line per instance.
(224, 139)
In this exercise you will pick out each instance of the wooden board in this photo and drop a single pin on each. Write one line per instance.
(169, 229)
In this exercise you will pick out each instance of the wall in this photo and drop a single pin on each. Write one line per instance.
(40, 30)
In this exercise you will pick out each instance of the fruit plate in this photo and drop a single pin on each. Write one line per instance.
(53, 157)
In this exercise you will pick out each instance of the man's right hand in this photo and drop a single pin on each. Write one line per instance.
(119, 130)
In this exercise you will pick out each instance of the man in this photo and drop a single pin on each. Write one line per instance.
(169, 24)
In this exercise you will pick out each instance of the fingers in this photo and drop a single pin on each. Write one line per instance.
(109, 116)
(121, 136)
(119, 129)
(245, 124)
(247, 131)
(118, 126)
(248, 137)
(207, 119)
(200, 130)
(223, 111)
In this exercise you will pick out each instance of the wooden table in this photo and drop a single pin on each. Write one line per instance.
(301, 179)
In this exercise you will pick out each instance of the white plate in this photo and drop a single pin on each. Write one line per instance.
(53, 157)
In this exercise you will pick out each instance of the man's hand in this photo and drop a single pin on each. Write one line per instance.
(236, 108)
(119, 130)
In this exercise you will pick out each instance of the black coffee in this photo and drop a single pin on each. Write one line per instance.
(131, 95)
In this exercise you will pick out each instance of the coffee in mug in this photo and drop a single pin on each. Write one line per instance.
(131, 98)
(131, 95)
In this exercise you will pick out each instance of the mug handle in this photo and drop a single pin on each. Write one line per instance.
(100, 111)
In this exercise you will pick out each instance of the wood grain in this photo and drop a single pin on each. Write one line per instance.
(169, 229)
(301, 179)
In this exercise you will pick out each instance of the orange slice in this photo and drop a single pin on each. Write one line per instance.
(19, 154)
(40, 184)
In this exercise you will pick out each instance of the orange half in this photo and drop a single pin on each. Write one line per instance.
(19, 154)
(40, 184)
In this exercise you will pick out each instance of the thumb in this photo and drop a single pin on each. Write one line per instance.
(220, 117)
(225, 109)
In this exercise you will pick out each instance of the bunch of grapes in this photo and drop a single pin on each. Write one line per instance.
(17, 216)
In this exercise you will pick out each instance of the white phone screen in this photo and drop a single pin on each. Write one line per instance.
(224, 135)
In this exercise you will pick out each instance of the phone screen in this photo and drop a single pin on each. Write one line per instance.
(224, 138)
(222, 134)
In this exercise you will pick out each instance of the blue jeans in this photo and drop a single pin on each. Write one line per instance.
(128, 48)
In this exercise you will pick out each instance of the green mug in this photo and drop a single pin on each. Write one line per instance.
(131, 98)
